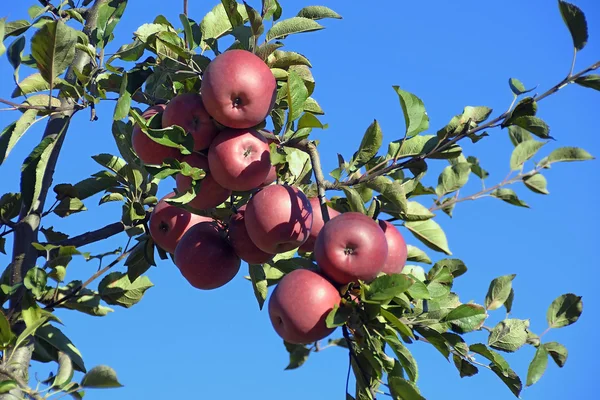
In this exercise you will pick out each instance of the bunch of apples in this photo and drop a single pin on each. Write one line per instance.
(238, 92)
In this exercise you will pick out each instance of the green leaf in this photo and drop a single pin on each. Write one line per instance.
(464, 367)
(231, 9)
(57, 340)
(558, 352)
(298, 355)
(518, 135)
(405, 357)
(216, 24)
(510, 379)
(313, 107)
(296, 96)
(393, 191)
(6, 334)
(10, 206)
(15, 28)
(591, 81)
(12, 133)
(318, 12)
(173, 136)
(466, 318)
(517, 87)
(537, 183)
(430, 233)
(417, 255)
(534, 125)
(527, 106)
(101, 377)
(91, 186)
(308, 120)
(32, 84)
(524, 151)
(415, 116)
(574, 18)
(69, 206)
(402, 389)
(564, 310)
(509, 335)
(452, 178)
(509, 196)
(565, 154)
(402, 328)
(338, 316)
(386, 287)
(35, 280)
(271, 9)
(355, 200)
(65, 371)
(537, 367)
(53, 49)
(2, 31)
(259, 283)
(290, 26)
(495, 358)
(369, 146)
(15, 53)
(499, 291)
(116, 289)
(435, 339)
(132, 81)
(476, 168)
(8, 385)
(256, 22)
(33, 171)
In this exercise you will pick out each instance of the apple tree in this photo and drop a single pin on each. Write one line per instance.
(222, 111)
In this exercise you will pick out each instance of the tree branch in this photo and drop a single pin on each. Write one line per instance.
(93, 236)
(446, 145)
(24, 254)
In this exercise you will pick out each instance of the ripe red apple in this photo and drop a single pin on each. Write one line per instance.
(238, 89)
(168, 223)
(187, 111)
(149, 151)
(278, 218)
(351, 246)
(241, 242)
(317, 225)
(397, 250)
(204, 257)
(299, 306)
(211, 194)
(239, 159)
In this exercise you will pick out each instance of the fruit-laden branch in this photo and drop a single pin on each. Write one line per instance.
(448, 143)
(311, 149)
(24, 254)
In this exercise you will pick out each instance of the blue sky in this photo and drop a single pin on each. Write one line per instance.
(180, 342)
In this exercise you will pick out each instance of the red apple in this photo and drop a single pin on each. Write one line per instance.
(187, 111)
(239, 159)
(317, 225)
(205, 258)
(241, 242)
(168, 223)
(238, 89)
(299, 306)
(278, 218)
(149, 151)
(351, 246)
(397, 250)
(211, 194)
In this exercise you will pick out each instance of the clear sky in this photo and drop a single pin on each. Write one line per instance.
(183, 343)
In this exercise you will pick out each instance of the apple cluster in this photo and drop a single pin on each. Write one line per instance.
(237, 94)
